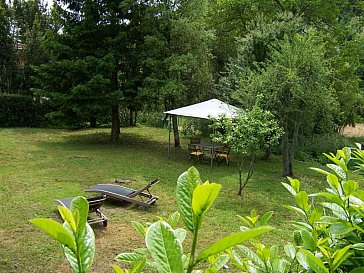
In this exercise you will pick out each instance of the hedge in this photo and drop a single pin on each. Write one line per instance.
(22, 111)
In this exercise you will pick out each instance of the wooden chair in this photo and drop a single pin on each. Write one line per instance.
(223, 154)
(195, 152)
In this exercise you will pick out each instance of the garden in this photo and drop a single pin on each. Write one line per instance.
(40, 165)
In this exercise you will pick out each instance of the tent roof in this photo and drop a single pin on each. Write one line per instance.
(206, 109)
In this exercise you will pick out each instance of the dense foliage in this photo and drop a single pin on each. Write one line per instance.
(21, 110)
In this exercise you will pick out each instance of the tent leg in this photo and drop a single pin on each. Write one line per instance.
(169, 136)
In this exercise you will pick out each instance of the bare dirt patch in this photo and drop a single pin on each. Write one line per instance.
(357, 131)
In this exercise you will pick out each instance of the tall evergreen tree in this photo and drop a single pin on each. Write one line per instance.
(81, 79)
(8, 58)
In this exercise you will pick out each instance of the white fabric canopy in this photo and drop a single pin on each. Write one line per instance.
(206, 109)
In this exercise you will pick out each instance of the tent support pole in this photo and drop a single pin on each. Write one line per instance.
(169, 136)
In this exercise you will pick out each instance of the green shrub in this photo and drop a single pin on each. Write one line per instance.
(154, 119)
(313, 148)
(22, 111)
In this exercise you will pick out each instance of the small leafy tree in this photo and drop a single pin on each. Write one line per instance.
(75, 235)
(164, 249)
(247, 135)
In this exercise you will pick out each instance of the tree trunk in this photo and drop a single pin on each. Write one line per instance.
(93, 122)
(240, 175)
(175, 132)
(115, 123)
(267, 153)
(287, 160)
(248, 176)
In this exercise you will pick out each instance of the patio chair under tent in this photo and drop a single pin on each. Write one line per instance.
(94, 204)
(141, 197)
(213, 108)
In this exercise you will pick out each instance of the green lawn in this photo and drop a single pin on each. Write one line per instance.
(40, 165)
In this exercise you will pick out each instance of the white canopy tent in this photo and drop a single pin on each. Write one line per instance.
(207, 109)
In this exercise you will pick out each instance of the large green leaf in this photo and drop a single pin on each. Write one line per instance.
(186, 184)
(138, 265)
(341, 228)
(341, 255)
(80, 204)
(203, 197)
(309, 261)
(302, 201)
(140, 228)
(338, 170)
(252, 255)
(295, 183)
(290, 251)
(56, 230)
(164, 248)
(81, 259)
(357, 270)
(67, 217)
(230, 241)
(319, 171)
(331, 197)
(296, 210)
(336, 209)
(128, 257)
(308, 240)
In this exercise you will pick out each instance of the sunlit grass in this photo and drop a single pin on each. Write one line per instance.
(40, 165)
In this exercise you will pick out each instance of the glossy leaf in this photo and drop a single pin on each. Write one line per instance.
(302, 201)
(67, 217)
(350, 187)
(80, 205)
(138, 265)
(295, 183)
(117, 269)
(252, 255)
(295, 209)
(180, 234)
(290, 251)
(128, 257)
(164, 247)
(332, 197)
(173, 219)
(308, 240)
(320, 171)
(81, 259)
(265, 218)
(289, 188)
(56, 230)
(203, 197)
(357, 270)
(219, 262)
(142, 230)
(309, 261)
(338, 170)
(341, 255)
(336, 209)
(341, 228)
(333, 181)
(186, 184)
(230, 241)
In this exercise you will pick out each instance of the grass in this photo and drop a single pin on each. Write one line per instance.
(40, 165)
